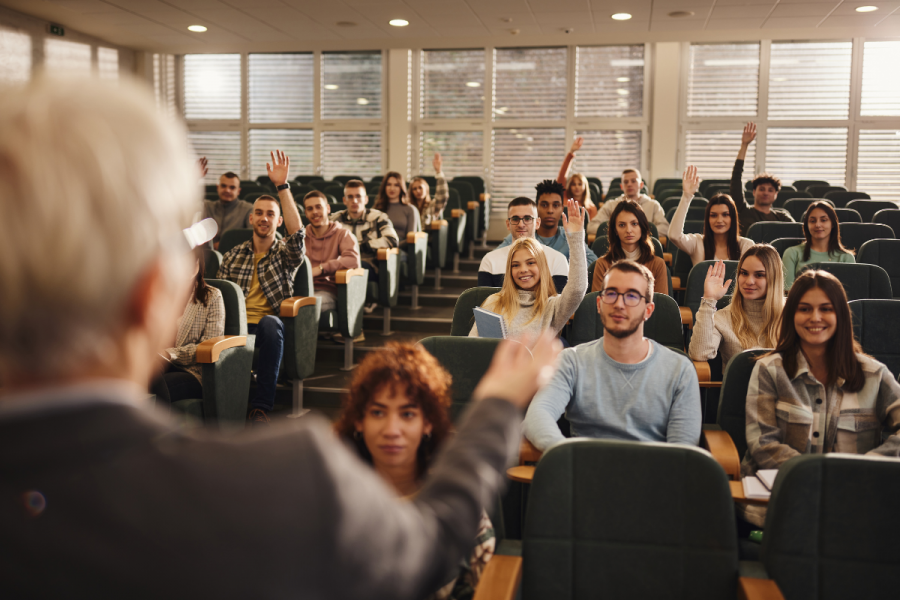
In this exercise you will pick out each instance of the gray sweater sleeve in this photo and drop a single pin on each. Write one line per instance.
(685, 418)
(567, 302)
(550, 403)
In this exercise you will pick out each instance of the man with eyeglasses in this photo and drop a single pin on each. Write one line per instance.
(622, 386)
(522, 220)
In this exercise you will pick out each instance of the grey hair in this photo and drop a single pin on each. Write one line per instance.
(95, 186)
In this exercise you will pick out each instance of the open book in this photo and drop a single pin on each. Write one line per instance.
(759, 486)
(490, 324)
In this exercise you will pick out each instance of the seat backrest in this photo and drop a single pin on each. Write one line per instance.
(827, 527)
(875, 325)
(766, 231)
(868, 208)
(212, 260)
(475, 181)
(708, 183)
(337, 191)
(377, 179)
(783, 196)
(681, 265)
(848, 215)
(782, 244)
(797, 207)
(594, 529)
(663, 326)
(322, 185)
(732, 412)
(463, 317)
(819, 191)
(889, 217)
(885, 254)
(802, 184)
(854, 235)
(235, 308)
(301, 190)
(840, 199)
(343, 179)
(694, 213)
(303, 281)
(696, 278)
(595, 191)
(664, 183)
(234, 237)
(466, 359)
(308, 178)
(860, 281)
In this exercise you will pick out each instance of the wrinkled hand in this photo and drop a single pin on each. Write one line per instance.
(713, 288)
(575, 222)
(690, 181)
(438, 163)
(203, 165)
(749, 133)
(278, 170)
(515, 373)
(576, 145)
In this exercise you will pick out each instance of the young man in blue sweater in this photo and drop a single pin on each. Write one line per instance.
(622, 386)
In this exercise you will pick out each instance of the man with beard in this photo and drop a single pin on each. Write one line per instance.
(622, 386)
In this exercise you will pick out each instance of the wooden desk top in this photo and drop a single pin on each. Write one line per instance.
(522, 474)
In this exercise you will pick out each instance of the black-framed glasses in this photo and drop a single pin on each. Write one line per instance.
(527, 218)
(630, 298)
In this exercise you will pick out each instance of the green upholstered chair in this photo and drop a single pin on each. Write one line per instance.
(707, 183)
(840, 199)
(854, 235)
(482, 197)
(251, 197)
(468, 202)
(225, 364)
(875, 326)
(250, 187)
(463, 317)
(386, 290)
(848, 215)
(466, 359)
(321, 184)
(377, 179)
(663, 326)
(828, 527)
(695, 213)
(885, 254)
(211, 188)
(595, 190)
(212, 262)
(266, 181)
(681, 268)
(868, 208)
(764, 232)
(301, 190)
(819, 191)
(797, 207)
(456, 227)
(860, 281)
(694, 287)
(802, 184)
(308, 178)
(783, 196)
(696, 202)
(337, 191)
(413, 270)
(438, 240)
(236, 237)
(343, 179)
(598, 183)
(372, 189)
(664, 183)
(889, 217)
(782, 244)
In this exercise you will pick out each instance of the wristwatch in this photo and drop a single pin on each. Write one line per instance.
(283, 186)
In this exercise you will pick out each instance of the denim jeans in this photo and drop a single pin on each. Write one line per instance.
(269, 334)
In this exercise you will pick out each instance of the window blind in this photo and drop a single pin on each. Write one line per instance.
(452, 84)
(15, 56)
(522, 158)
(296, 143)
(351, 153)
(108, 63)
(65, 56)
(530, 83)
(461, 151)
(810, 80)
(212, 86)
(281, 88)
(221, 148)
(807, 153)
(880, 85)
(609, 81)
(605, 154)
(723, 80)
(351, 85)
(714, 152)
(878, 167)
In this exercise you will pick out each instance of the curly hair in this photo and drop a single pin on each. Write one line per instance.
(766, 178)
(549, 186)
(407, 368)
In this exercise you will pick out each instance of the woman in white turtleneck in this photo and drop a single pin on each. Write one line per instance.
(751, 319)
(629, 237)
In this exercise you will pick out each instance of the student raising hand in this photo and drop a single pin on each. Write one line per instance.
(577, 212)
(713, 288)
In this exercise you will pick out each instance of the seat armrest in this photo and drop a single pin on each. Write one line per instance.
(667, 257)
(343, 277)
(704, 373)
(291, 306)
(436, 225)
(209, 350)
(664, 240)
(676, 284)
(457, 212)
(528, 453)
(754, 589)
(412, 236)
(687, 317)
(384, 252)
(483, 197)
(472, 205)
(500, 579)
(722, 447)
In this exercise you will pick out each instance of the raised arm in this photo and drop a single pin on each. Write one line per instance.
(706, 338)
(441, 189)
(278, 173)
(690, 183)
(577, 284)
(567, 162)
(737, 186)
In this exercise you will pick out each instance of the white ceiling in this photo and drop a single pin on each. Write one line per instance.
(161, 25)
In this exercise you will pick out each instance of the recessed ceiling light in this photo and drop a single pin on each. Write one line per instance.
(399, 22)
(473, 84)
(197, 28)
(623, 79)
(866, 8)
(362, 101)
(621, 17)
(331, 86)
(680, 14)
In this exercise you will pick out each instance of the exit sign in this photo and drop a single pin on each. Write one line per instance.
(57, 30)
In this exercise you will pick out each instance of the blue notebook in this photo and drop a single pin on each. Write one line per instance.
(490, 324)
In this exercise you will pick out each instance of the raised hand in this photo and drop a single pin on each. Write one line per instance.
(749, 133)
(278, 170)
(575, 222)
(713, 288)
(203, 165)
(515, 373)
(576, 145)
(690, 181)
(437, 162)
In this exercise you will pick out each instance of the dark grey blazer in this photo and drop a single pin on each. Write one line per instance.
(108, 500)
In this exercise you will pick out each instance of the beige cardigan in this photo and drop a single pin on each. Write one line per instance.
(713, 333)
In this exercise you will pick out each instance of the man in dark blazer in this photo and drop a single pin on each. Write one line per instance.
(102, 496)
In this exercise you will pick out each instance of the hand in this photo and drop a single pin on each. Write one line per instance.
(749, 134)
(278, 170)
(437, 162)
(713, 288)
(690, 181)
(576, 145)
(575, 222)
(203, 164)
(516, 374)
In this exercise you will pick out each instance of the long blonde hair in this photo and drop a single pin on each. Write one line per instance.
(586, 201)
(506, 301)
(772, 307)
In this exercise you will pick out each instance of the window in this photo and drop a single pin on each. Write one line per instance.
(807, 153)
(810, 80)
(461, 151)
(609, 81)
(723, 80)
(351, 85)
(296, 143)
(530, 83)
(280, 90)
(452, 84)
(108, 63)
(164, 83)
(881, 86)
(221, 148)
(606, 154)
(524, 157)
(15, 56)
(879, 163)
(714, 152)
(65, 56)
(212, 86)
(356, 153)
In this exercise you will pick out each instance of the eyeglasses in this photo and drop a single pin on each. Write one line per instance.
(630, 298)
(515, 220)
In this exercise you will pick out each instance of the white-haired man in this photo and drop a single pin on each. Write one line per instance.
(103, 496)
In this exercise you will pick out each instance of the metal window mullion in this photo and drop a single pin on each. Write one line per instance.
(416, 108)
(245, 115)
(684, 124)
(317, 112)
(487, 138)
(646, 94)
(385, 95)
(571, 76)
(762, 110)
(856, 80)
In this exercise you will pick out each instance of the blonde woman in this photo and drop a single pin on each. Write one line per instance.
(528, 301)
(751, 320)
(577, 186)
(430, 209)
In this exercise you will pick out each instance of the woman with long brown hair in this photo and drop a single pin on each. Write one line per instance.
(629, 237)
(393, 199)
(823, 242)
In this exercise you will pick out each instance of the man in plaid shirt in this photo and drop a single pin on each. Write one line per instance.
(264, 269)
